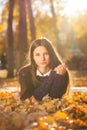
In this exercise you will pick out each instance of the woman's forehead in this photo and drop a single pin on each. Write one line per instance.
(40, 48)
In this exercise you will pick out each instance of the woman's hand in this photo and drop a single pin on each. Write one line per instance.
(60, 69)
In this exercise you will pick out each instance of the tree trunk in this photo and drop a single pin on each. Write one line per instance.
(10, 40)
(56, 31)
(22, 36)
(31, 19)
(54, 19)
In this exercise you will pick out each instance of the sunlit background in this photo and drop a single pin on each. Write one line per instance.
(74, 8)
(71, 7)
(63, 22)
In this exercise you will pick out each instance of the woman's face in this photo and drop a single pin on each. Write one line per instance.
(41, 57)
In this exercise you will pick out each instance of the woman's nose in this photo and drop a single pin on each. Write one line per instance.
(42, 57)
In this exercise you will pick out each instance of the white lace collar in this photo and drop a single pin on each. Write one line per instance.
(38, 73)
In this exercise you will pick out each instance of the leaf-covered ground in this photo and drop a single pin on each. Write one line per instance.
(65, 114)
(69, 113)
(79, 78)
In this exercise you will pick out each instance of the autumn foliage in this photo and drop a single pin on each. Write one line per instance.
(49, 114)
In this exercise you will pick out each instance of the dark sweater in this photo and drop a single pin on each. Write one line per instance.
(55, 85)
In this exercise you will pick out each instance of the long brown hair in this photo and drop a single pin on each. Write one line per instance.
(54, 59)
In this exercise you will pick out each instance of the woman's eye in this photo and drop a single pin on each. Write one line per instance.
(46, 54)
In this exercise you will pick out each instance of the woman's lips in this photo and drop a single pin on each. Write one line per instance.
(43, 62)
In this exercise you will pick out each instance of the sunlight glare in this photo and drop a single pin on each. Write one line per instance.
(2, 3)
(73, 7)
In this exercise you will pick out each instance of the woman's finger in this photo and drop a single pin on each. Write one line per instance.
(60, 69)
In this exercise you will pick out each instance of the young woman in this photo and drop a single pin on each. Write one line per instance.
(45, 74)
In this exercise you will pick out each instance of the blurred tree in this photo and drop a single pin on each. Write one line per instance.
(80, 29)
(82, 44)
(1, 46)
(10, 40)
(4, 25)
(31, 19)
(54, 19)
(22, 34)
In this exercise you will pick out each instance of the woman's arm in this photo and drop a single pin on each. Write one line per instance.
(59, 86)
